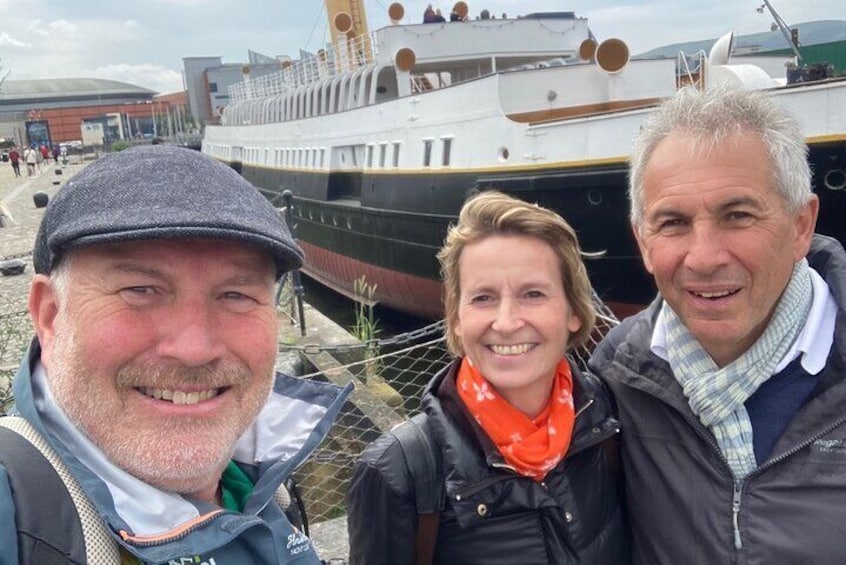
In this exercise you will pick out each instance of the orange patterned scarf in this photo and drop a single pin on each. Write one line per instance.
(532, 446)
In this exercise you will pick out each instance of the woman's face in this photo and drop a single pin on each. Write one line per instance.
(514, 320)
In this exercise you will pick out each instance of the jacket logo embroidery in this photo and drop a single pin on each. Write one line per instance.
(830, 446)
(298, 543)
(196, 560)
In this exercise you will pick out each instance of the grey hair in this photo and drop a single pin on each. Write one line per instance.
(60, 276)
(709, 118)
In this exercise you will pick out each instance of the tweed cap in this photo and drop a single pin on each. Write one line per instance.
(160, 192)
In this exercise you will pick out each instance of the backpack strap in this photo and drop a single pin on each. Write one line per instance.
(56, 522)
(424, 465)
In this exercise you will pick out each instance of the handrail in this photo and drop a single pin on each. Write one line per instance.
(348, 55)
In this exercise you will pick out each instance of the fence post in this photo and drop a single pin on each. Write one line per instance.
(299, 292)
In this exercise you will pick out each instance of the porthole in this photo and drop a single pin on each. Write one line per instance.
(594, 197)
(503, 154)
(835, 179)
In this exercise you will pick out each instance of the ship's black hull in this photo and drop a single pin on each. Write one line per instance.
(388, 227)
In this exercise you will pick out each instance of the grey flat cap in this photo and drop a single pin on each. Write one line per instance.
(160, 192)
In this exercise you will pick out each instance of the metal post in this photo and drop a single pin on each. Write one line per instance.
(299, 292)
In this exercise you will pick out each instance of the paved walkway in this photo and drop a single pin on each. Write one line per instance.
(18, 237)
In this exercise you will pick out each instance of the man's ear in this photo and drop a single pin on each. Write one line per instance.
(43, 308)
(805, 222)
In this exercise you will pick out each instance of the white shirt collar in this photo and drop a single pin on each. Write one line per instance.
(814, 343)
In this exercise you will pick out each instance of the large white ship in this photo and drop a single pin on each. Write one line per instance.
(382, 137)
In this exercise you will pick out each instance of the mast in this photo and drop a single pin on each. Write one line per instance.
(350, 34)
(346, 10)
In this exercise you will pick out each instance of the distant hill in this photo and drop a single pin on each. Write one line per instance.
(810, 33)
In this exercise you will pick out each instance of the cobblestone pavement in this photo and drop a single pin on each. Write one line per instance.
(17, 238)
(20, 219)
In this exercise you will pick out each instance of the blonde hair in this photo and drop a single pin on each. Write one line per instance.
(494, 213)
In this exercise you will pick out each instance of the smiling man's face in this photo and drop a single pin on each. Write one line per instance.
(161, 352)
(718, 239)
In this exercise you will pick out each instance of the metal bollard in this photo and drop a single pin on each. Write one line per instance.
(299, 292)
(40, 199)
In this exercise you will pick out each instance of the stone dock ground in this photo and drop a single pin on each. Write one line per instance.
(20, 219)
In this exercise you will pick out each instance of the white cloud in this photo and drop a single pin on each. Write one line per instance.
(154, 77)
(8, 40)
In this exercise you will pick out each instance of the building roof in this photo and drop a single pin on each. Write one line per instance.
(64, 88)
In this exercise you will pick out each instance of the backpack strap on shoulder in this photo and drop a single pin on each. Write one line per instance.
(424, 465)
(56, 522)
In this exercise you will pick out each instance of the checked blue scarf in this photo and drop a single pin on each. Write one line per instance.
(717, 395)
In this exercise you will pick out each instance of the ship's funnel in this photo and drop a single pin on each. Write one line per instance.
(721, 50)
(396, 12)
(342, 22)
(405, 58)
(461, 9)
(587, 49)
(612, 55)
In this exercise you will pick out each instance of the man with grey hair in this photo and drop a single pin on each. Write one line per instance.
(730, 385)
(150, 385)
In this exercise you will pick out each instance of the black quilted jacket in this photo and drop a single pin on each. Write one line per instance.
(492, 515)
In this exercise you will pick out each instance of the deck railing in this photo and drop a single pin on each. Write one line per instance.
(347, 55)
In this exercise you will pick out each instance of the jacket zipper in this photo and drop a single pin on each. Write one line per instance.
(737, 489)
(772, 462)
(143, 541)
(470, 491)
(735, 513)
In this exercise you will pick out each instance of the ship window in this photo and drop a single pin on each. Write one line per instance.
(322, 156)
(369, 161)
(447, 153)
(396, 154)
(383, 150)
(427, 152)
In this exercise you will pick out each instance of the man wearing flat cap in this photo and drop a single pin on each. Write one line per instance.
(151, 376)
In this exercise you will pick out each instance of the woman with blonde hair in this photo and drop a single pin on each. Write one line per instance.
(524, 442)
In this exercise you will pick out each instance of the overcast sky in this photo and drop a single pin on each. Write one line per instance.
(143, 42)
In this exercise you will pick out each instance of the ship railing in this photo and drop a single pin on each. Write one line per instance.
(347, 55)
